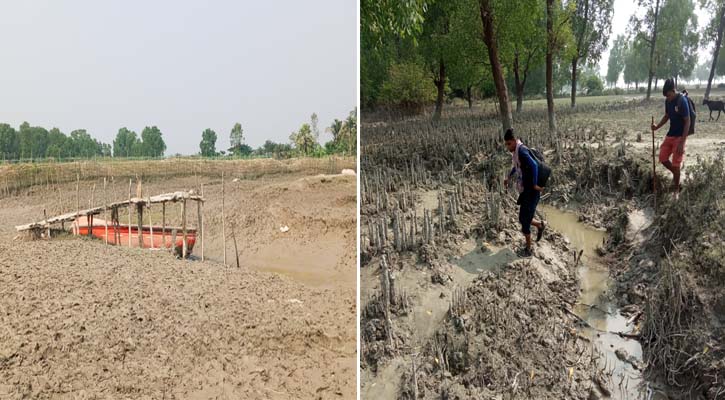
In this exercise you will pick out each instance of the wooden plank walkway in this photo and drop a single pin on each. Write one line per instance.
(71, 216)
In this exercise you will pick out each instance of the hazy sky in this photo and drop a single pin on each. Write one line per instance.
(181, 65)
(623, 10)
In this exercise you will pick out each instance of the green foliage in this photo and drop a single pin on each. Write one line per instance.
(383, 18)
(303, 139)
(207, 145)
(676, 51)
(636, 62)
(408, 86)
(125, 144)
(236, 136)
(617, 54)
(594, 85)
(152, 144)
(8, 142)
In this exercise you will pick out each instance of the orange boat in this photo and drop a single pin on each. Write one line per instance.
(153, 237)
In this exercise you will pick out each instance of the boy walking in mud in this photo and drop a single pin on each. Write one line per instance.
(677, 111)
(525, 170)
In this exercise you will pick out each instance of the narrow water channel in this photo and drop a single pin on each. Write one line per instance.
(593, 306)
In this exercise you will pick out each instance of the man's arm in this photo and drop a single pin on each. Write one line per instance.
(664, 120)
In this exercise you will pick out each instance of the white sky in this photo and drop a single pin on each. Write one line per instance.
(182, 65)
(623, 10)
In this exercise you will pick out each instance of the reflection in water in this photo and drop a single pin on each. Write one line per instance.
(594, 308)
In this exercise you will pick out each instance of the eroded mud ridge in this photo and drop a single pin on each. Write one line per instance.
(449, 311)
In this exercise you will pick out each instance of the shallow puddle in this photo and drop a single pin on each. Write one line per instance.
(479, 257)
(625, 381)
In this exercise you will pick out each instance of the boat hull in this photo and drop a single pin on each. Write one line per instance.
(121, 235)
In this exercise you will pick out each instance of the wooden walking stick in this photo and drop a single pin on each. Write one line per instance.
(654, 170)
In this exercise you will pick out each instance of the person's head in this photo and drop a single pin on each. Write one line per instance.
(510, 140)
(668, 89)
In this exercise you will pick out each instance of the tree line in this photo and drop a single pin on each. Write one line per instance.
(419, 52)
(35, 142)
(302, 142)
(664, 42)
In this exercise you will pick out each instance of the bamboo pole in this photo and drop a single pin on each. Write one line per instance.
(130, 183)
(78, 202)
(201, 216)
(183, 228)
(139, 213)
(105, 212)
(163, 225)
(151, 227)
(224, 220)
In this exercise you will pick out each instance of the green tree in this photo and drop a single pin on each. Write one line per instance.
(208, 143)
(59, 145)
(702, 72)
(615, 64)
(591, 25)
(236, 136)
(126, 144)
(676, 52)
(152, 142)
(714, 32)
(303, 139)
(407, 87)
(636, 62)
(8, 142)
(646, 28)
(522, 43)
(84, 145)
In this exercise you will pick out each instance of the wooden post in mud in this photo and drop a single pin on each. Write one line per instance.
(163, 225)
(105, 211)
(151, 227)
(78, 203)
(183, 228)
(201, 221)
(130, 182)
(139, 208)
(224, 235)
(89, 218)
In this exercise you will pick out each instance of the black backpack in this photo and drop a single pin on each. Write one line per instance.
(544, 169)
(693, 114)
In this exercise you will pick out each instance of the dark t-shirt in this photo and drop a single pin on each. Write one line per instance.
(677, 110)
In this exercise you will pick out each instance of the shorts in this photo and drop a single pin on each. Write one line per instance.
(669, 148)
(527, 208)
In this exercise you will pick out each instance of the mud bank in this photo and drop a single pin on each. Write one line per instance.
(84, 320)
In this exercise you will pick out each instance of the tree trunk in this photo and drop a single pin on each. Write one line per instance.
(652, 51)
(440, 83)
(519, 85)
(489, 39)
(550, 66)
(469, 97)
(716, 52)
(574, 63)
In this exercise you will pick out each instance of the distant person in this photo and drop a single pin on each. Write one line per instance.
(677, 111)
(525, 170)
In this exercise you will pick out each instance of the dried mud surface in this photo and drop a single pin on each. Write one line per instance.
(80, 319)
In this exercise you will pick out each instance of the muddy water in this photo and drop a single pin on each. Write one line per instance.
(625, 381)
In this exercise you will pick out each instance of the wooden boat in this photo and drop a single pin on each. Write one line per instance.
(152, 237)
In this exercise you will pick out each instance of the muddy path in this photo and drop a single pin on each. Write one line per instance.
(83, 320)
(433, 204)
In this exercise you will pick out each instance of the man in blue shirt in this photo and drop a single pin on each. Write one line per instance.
(677, 111)
(526, 170)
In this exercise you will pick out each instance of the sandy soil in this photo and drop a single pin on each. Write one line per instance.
(80, 319)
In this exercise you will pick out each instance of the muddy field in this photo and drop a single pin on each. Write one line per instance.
(84, 320)
(615, 303)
